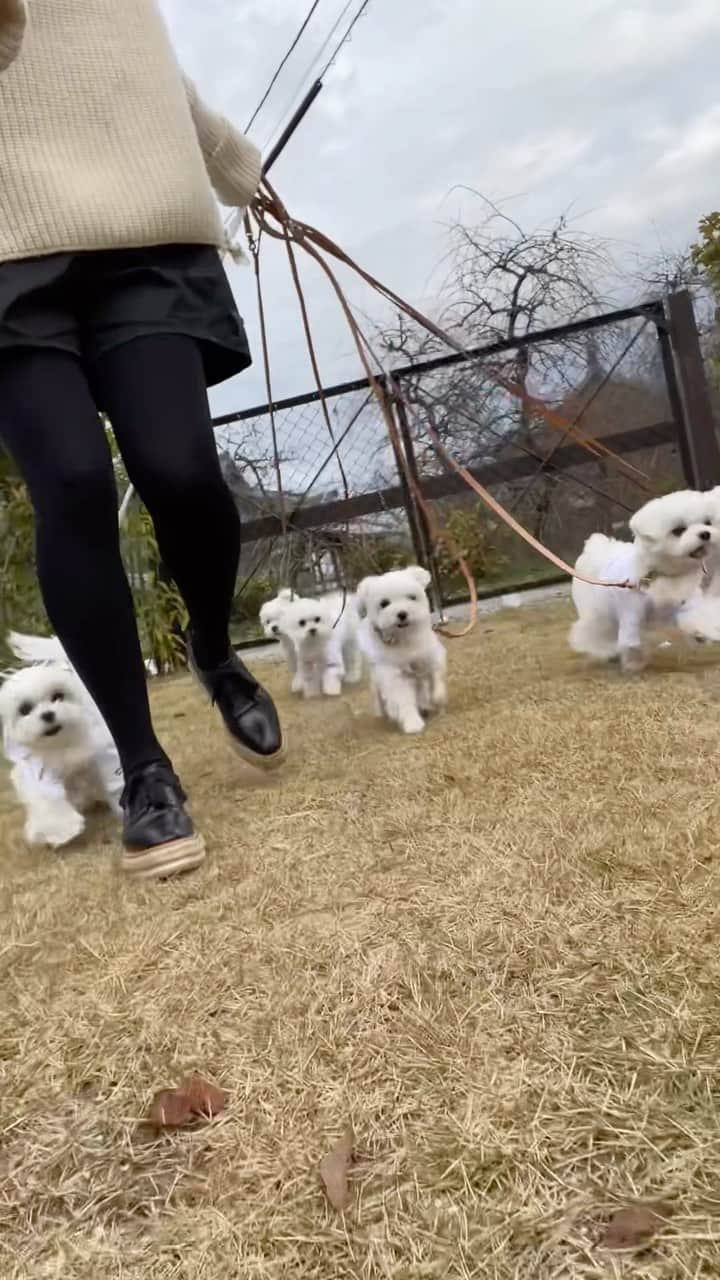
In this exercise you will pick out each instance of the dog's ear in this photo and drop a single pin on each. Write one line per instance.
(361, 597)
(422, 575)
(287, 593)
(642, 524)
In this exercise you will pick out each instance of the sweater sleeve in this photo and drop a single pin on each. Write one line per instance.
(13, 16)
(233, 162)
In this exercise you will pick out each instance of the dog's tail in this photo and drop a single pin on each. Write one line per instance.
(593, 559)
(32, 650)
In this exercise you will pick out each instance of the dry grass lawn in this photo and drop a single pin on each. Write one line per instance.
(494, 949)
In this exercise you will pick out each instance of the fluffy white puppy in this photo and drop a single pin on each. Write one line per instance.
(674, 537)
(271, 616)
(323, 634)
(712, 580)
(407, 660)
(64, 760)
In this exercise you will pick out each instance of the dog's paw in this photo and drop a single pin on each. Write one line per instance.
(633, 661)
(55, 832)
(296, 685)
(332, 686)
(412, 724)
(440, 699)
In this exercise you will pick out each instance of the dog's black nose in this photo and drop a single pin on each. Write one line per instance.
(48, 717)
(275, 629)
(402, 616)
(312, 631)
(705, 535)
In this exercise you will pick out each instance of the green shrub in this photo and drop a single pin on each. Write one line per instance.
(373, 555)
(246, 605)
(474, 533)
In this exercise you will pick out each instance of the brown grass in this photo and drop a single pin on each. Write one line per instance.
(493, 950)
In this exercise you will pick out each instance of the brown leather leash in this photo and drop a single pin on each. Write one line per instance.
(266, 206)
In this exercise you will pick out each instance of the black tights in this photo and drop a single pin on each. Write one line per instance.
(153, 391)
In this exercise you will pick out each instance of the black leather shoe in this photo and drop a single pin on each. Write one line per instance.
(158, 834)
(247, 710)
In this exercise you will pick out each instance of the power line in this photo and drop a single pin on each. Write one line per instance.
(310, 71)
(281, 66)
(344, 38)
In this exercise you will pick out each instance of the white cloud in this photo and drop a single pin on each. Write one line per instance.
(644, 35)
(606, 105)
(679, 170)
(696, 144)
(526, 164)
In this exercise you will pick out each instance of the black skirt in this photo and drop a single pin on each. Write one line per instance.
(88, 303)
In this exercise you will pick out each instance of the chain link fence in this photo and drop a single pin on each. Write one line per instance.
(324, 500)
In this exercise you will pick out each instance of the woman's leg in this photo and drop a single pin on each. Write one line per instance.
(50, 426)
(153, 390)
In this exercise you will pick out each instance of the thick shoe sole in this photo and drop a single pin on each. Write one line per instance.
(163, 860)
(268, 763)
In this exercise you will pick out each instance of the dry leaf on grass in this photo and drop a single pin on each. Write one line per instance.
(634, 1227)
(194, 1099)
(205, 1099)
(334, 1169)
(170, 1109)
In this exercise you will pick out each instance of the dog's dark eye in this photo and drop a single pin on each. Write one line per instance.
(679, 531)
(301, 623)
(412, 597)
(58, 696)
(384, 604)
(25, 708)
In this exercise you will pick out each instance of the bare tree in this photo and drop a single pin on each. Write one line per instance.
(502, 283)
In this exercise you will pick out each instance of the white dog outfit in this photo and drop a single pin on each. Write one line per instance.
(323, 634)
(406, 659)
(664, 568)
(271, 616)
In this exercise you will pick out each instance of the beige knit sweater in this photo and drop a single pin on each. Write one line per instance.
(103, 142)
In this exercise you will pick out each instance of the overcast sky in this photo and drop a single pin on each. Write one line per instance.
(608, 107)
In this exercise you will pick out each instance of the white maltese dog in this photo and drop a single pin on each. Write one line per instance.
(324, 637)
(407, 659)
(64, 760)
(674, 538)
(271, 616)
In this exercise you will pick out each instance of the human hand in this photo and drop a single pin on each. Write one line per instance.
(12, 11)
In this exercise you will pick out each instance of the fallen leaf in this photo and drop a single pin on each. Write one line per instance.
(633, 1227)
(170, 1109)
(334, 1169)
(205, 1099)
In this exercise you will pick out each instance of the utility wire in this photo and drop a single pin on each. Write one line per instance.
(343, 40)
(281, 66)
(310, 71)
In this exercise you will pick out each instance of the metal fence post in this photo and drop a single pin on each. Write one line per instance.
(416, 535)
(674, 398)
(699, 444)
(425, 540)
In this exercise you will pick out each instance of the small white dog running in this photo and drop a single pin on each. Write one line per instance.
(407, 660)
(674, 538)
(324, 637)
(64, 760)
(271, 616)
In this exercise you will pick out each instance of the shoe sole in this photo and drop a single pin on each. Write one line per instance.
(267, 763)
(164, 860)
